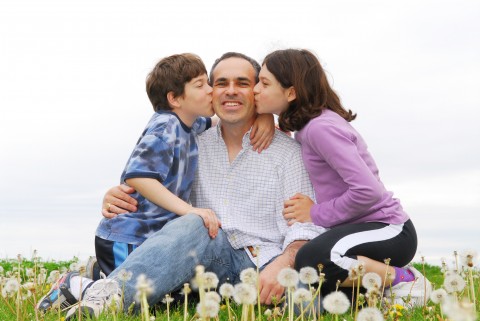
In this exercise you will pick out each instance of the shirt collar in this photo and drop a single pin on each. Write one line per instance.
(245, 139)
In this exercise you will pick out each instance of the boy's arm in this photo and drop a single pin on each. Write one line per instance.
(155, 192)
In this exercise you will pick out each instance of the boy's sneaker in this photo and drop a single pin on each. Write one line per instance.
(92, 269)
(60, 295)
(98, 297)
(410, 294)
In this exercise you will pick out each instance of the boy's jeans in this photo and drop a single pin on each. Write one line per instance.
(168, 258)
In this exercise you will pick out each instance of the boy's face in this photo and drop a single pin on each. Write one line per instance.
(197, 99)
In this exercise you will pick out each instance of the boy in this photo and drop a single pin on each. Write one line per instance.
(161, 168)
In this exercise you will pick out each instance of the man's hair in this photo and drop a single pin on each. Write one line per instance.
(170, 75)
(256, 66)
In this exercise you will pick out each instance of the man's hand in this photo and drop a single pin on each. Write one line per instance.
(297, 209)
(211, 221)
(117, 201)
(269, 286)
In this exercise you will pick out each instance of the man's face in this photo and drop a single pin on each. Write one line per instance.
(232, 97)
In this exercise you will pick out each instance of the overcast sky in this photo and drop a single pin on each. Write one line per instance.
(73, 103)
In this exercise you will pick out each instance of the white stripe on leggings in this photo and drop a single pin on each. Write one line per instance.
(343, 245)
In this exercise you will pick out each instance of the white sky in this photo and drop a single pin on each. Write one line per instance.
(72, 101)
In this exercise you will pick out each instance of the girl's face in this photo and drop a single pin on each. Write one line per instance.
(270, 96)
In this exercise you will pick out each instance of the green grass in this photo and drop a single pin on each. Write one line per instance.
(11, 311)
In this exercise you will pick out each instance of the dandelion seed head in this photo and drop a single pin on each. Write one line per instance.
(370, 314)
(124, 275)
(186, 289)
(29, 273)
(209, 310)
(308, 275)
(144, 285)
(336, 303)
(459, 311)
(244, 293)
(288, 277)
(438, 296)
(371, 280)
(210, 280)
(469, 258)
(29, 286)
(454, 283)
(75, 266)
(267, 313)
(54, 276)
(214, 296)
(167, 299)
(227, 290)
(302, 295)
(249, 276)
(10, 288)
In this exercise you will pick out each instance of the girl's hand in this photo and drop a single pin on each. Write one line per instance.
(297, 209)
(262, 132)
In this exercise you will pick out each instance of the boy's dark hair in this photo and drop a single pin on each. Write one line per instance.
(256, 66)
(170, 75)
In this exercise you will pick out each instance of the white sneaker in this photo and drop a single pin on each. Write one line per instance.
(410, 294)
(99, 297)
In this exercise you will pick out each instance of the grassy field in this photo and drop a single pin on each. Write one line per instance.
(34, 278)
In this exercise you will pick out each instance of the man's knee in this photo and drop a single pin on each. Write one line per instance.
(189, 223)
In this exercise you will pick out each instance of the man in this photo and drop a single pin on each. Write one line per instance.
(244, 188)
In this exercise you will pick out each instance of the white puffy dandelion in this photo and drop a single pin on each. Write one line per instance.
(53, 277)
(210, 280)
(209, 309)
(454, 283)
(213, 296)
(469, 258)
(336, 303)
(11, 287)
(226, 290)
(357, 270)
(167, 299)
(75, 266)
(371, 280)
(288, 277)
(244, 293)
(459, 311)
(144, 286)
(302, 295)
(308, 275)
(1, 270)
(438, 296)
(29, 273)
(124, 275)
(267, 313)
(370, 314)
(249, 276)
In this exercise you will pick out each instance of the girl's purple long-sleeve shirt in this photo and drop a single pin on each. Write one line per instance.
(344, 175)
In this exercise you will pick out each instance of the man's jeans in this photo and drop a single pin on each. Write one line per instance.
(168, 258)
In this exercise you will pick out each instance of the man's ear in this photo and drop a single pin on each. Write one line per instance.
(291, 94)
(172, 100)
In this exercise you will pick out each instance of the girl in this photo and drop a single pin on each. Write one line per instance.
(367, 225)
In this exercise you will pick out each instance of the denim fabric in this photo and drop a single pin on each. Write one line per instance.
(169, 257)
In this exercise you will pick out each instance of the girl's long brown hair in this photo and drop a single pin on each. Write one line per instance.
(302, 70)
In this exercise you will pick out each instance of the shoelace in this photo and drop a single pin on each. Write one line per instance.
(101, 292)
